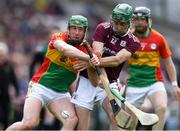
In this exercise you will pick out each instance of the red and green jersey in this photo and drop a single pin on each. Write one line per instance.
(57, 71)
(145, 69)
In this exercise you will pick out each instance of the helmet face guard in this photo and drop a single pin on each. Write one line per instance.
(77, 20)
(120, 28)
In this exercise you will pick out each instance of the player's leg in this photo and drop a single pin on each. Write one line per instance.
(83, 98)
(101, 97)
(69, 119)
(83, 115)
(158, 98)
(32, 108)
(48, 120)
(107, 108)
(135, 96)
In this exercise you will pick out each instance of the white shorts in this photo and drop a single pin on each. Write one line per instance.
(136, 95)
(44, 94)
(87, 95)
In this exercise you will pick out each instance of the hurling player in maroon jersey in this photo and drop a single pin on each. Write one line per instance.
(114, 44)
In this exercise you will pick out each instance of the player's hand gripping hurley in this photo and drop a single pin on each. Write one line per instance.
(144, 118)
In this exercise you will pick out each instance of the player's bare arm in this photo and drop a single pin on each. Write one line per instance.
(98, 48)
(113, 61)
(172, 76)
(110, 61)
(93, 77)
(69, 50)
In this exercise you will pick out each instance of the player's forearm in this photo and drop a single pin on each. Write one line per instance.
(113, 61)
(172, 73)
(171, 70)
(93, 77)
(77, 54)
(110, 61)
(172, 76)
(70, 51)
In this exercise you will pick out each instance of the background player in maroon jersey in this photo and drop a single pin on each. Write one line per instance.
(49, 86)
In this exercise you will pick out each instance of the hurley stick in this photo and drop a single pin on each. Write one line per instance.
(144, 118)
(123, 119)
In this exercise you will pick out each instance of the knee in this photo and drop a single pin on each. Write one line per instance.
(29, 124)
(73, 120)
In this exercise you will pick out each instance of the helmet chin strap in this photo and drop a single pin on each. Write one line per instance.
(74, 42)
(121, 33)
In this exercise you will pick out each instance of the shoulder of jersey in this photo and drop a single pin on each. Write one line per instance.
(105, 25)
(132, 36)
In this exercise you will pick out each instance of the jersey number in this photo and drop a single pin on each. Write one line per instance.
(113, 41)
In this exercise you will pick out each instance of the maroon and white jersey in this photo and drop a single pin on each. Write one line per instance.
(113, 43)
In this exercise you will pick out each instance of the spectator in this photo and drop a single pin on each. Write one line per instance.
(7, 78)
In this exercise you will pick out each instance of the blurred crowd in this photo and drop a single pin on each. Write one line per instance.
(24, 29)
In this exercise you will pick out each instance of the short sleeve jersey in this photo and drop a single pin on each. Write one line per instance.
(57, 71)
(113, 44)
(145, 70)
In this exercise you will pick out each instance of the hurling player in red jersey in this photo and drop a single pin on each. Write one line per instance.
(145, 75)
(114, 43)
(49, 86)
